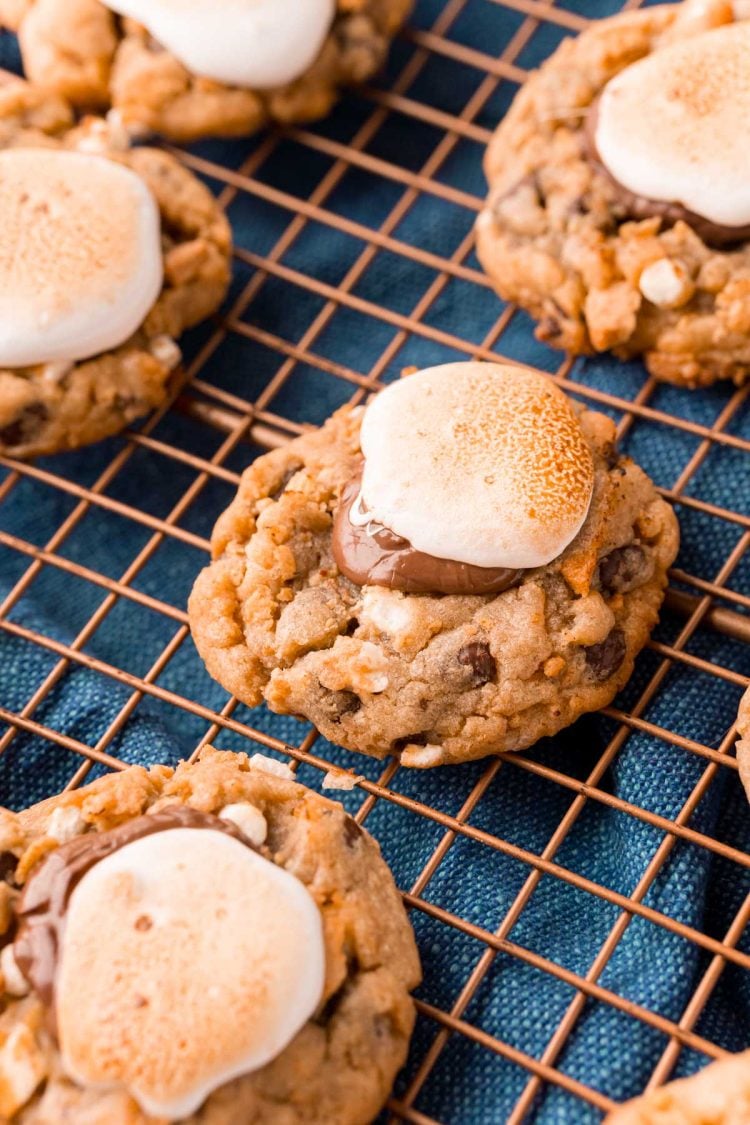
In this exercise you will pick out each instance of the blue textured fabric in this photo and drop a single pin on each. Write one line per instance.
(608, 1050)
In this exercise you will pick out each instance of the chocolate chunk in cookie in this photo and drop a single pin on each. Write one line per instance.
(474, 466)
(619, 206)
(477, 656)
(605, 658)
(205, 941)
(189, 71)
(108, 254)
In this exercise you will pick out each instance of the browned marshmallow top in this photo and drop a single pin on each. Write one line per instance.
(176, 956)
(673, 128)
(638, 207)
(44, 904)
(471, 474)
(80, 257)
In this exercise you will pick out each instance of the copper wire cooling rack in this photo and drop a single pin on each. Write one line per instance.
(438, 44)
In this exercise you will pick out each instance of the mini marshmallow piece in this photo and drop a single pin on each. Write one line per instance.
(15, 982)
(187, 960)
(477, 462)
(102, 135)
(388, 611)
(341, 780)
(421, 757)
(164, 349)
(249, 819)
(64, 823)
(80, 257)
(353, 665)
(666, 283)
(272, 766)
(673, 126)
(254, 43)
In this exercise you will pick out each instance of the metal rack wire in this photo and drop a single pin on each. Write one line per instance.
(230, 418)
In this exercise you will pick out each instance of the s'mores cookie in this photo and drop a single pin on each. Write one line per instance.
(463, 567)
(108, 253)
(719, 1094)
(619, 205)
(214, 943)
(201, 68)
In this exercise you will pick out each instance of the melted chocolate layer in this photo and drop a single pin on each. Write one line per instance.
(373, 555)
(640, 207)
(44, 902)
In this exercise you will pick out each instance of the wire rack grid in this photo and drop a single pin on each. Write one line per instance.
(353, 260)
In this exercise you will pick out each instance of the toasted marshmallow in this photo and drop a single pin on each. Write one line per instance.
(187, 960)
(476, 462)
(80, 256)
(255, 43)
(675, 126)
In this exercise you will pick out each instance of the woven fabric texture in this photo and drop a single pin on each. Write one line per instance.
(607, 1050)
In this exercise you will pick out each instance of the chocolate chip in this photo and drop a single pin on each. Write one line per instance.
(124, 404)
(8, 865)
(332, 1004)
(623, 569)
(336, 704)
(533, 179)
(400, 744)
(352, 831)
(383, 1027)
(604, 659)
(347, 702)
(549, 328)
(478, 657)
(26, 426)
(614, 460)
(611, 455)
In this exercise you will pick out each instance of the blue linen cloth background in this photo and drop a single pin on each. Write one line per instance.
(608, 1050)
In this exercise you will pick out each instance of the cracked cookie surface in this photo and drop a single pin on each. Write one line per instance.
(554, 238)
(341, 1064)
(435, 679)
(97, 60)
(51, 407)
